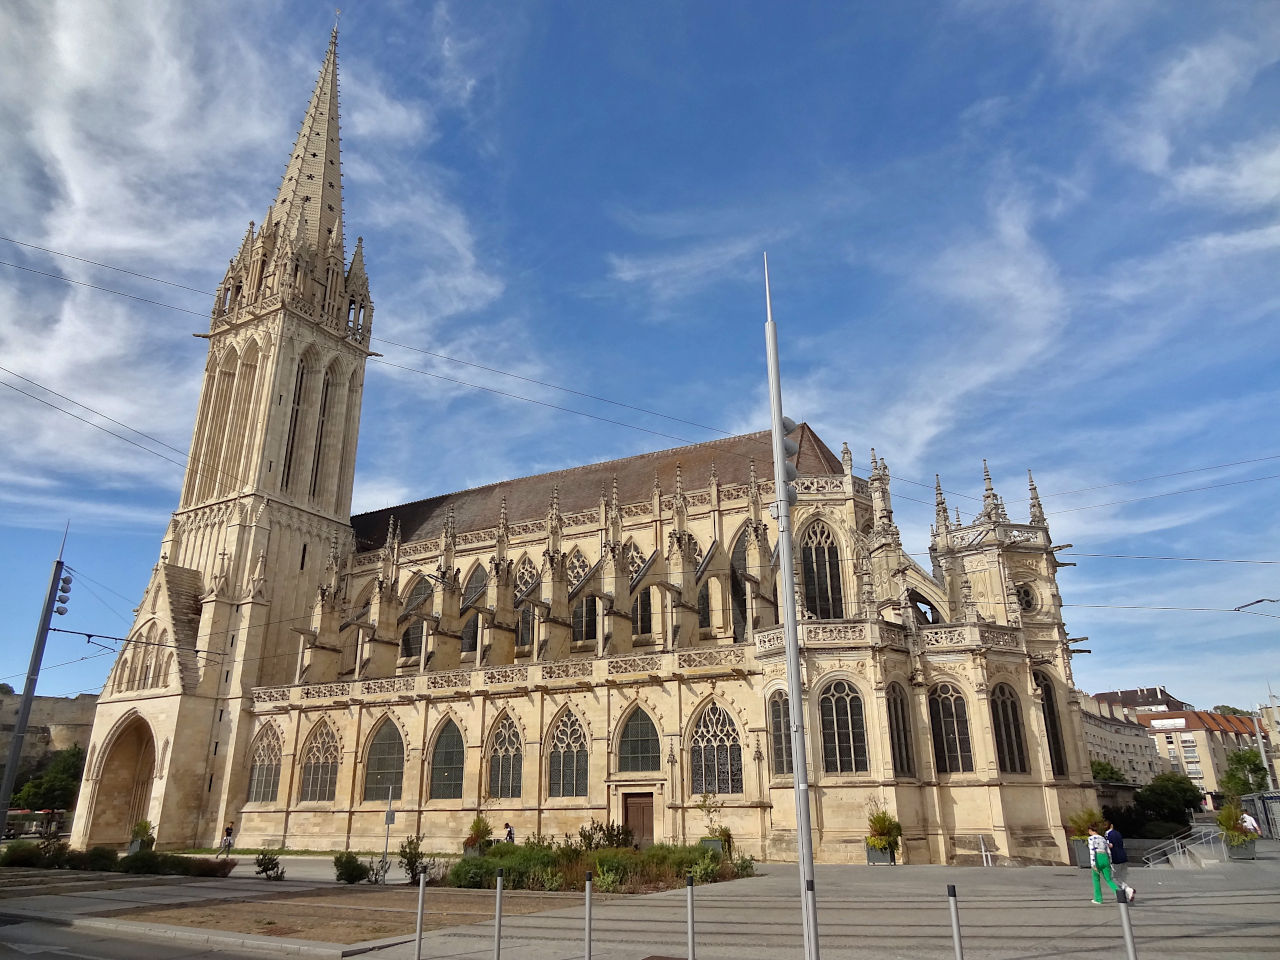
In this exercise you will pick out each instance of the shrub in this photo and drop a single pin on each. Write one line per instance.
(607, 881)
(598, 836)
(54, 853)
(679, 860)
(21, 853)
(347, 868)
(548, 879)
(144, 861)
(744, 867)
(144, 834)
(620, 863)
(1231, 823)
(95, 858)
(707, 869)
(1169, 796)
(412, 857)
(209, 867)
(480, 831)
(473, 873)
(884, 830)
(1080, 822)
(268, 866)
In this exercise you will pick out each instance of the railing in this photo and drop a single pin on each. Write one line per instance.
(1199, 835)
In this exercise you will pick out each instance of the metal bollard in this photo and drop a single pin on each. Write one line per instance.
(955, 920)
(688, 887)
(417, 940)
(497, 920)
(588, 927)
(1131, 951)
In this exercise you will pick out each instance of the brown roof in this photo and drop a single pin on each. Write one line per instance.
(1204, 720)
(530, 497)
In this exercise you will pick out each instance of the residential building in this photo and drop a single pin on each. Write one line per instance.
(1197, 743)
(1112, 734)
(1143, 700)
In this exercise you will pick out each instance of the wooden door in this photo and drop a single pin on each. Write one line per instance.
(637, 816)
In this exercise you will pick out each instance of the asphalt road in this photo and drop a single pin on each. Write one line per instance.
(43, 941)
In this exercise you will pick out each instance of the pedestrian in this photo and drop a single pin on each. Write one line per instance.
(1119, 858)
(224, 847)
(510, 835)
(1250, 824)
(1100, 867)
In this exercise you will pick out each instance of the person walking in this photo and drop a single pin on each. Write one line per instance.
(510, 835)
(1100, 867)
(224, 847)
(1119, 858)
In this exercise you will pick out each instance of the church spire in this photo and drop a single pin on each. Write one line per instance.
(310, 197)
(1037, 510)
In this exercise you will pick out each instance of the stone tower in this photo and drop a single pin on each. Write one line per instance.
(265, 509)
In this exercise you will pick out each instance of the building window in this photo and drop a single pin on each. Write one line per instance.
(264, 768)
(949, 724)
(526, 576)
(290, 447)
(820, 563)
(638, 747)
(384, 764)
(738, 588)
(320, 765)
(704, 606)
(642, 613)
(524, 626)
(585, 621)
(780, 735)
(1006, 727)
(1027, 599)
(471, 634)
(1052, 723)
(321, 416)
(567, 764)
(474, 589)
(446, 764)
(635, 559)
(715, 756)
(505, 757)
(411, 639)
(900, 731)
(844, 732)
(577, 568)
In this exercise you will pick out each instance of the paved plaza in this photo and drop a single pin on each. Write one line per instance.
(1223, 911)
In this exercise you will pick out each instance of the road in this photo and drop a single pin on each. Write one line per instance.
(43, 941)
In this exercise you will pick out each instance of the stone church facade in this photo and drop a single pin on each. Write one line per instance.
(598, 642)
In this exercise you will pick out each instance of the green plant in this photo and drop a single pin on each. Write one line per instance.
(473, 873)
(547, 878)
(54, 852)
(411, 857)
(143, 861)
(597, 835)
(480, 831)
(208, 867)
(710, 806)
(22, 853)
(144, 834)
(101, 858)
(1080, 822)
(883, 829)
(744, 867)
(1106, 771)
(1231, 822)
(268, 866)
(1245, 773)
(348, 868)
(725, 836)
(706, 869)
(607, 881)
(1169, 796)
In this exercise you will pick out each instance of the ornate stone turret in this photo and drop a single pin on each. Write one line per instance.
(1037, 511)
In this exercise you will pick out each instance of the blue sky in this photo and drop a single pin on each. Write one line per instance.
(1041, 233)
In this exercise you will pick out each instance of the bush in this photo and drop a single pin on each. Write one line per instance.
(1080, 822)
(707, 869)
(744, 867)
(474, 873)
(479, 832)
(548, 879)
(619, 863)
(95, 858)
(607, 881)
(348, 868)
(1169, 796)
(209, 867)
(144, 861)
(268, 866)
(412, 858)
(22, 853)
(679, 860)
(599, 836)
(54, 853)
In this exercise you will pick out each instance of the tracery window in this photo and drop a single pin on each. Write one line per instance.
(322, 415)
(820, 565)
(295, 412)
(738, 588)
(264, 767)
(411, 639)
(642, 613)
(471, 634)
(635, 559)
(704, 606)
(949, 724)
(384, 764)
(1052, 723)
(715, 754)
(526, 576)
(638, 748)
(475, 586)
(320, 765)
(1006, 728)
(900, 730)
(505, 757)
(446, 763)
(1027, 600)
(780, 734)
(844, 732)
(567, 763)
(585, 620)
(576, 568)
(525, 626)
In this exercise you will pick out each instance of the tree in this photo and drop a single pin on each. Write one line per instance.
(1229, 711)
(1107, 772)
(1245, 773)
(55, 787)
(1168, 797)
(5, 689)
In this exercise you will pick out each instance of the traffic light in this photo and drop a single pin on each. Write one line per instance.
(789, 449)
(64, 594)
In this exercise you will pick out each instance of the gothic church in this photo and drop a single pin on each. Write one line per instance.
(598, 642)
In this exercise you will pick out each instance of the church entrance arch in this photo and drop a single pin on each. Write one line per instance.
(126, 774)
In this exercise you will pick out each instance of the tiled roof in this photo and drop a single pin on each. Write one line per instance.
(530, 497)
(1204, 720)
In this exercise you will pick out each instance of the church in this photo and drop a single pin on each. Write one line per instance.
(597, 642)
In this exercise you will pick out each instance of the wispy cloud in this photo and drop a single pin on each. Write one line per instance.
(671, 276)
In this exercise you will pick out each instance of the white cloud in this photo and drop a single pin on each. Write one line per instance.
(667, 277)
(1244, 178)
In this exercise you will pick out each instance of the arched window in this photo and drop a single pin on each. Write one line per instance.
(471, 633)
(446, 764)
(895, 699)
(715, 755)
(418, 598)
(780, 734)
(322, 414)
(567, 762)
(295, 412)
(844, 732)
(820, 565)
(525, 626)
(638, 747)
(642, 613)
(635, 559)
(585, 620)
(384, 764)
(1006, 728)
(474, 589)
(505, 757)
(577, 568)
(704, 606)
(1052, 723)
(949, 723)
(264, 767)
(320, 765)
(526, 576)
(738, 588)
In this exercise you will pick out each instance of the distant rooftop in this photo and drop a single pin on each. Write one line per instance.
(1144, 700)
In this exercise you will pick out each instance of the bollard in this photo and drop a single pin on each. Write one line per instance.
(587, 941)
(497, 920)
(1131, 951)
(417, 940)
(955, 920)
(688, 886)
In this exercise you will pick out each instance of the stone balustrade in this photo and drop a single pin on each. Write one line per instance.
(845, 634)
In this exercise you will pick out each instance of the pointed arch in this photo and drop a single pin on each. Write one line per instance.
(567, 757)
(639, 748)
(320, 758)
(634, 558)
(1006, 729)
(264, 765)
(526, 577)
(715, 753)
(476, 582)
(229, 467)
(899, 710)
(576, 568)
(820, 571)
(949, 724)
(780, 734)
(642, 611)
(506, 756)
(324, 410)
(384, 762)
(844, 729)
(586, 619)
(738, 586)
(419, 596)
(1052, 722)
(448, 759)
